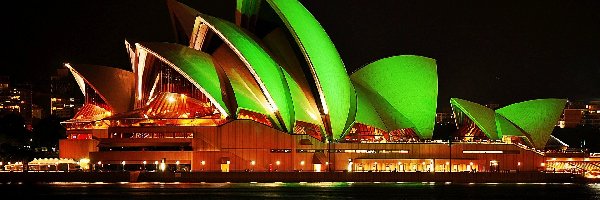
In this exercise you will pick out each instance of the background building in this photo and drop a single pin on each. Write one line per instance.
(16, 99)
(444, 118)
(581, 113)
(65, 98)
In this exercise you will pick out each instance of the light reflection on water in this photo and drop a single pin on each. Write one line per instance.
(324, 190)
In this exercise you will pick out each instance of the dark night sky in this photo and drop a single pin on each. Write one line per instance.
(486, 51)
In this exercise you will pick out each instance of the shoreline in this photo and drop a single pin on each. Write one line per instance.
(292, 177)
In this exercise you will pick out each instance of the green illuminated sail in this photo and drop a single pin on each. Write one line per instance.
(265, 70)
(482, 116)
(536, 117)
(409, 83)
(366, 113)
(246, 91)
(195, 65)
(507, 128)
(336, 93)
(302, 109)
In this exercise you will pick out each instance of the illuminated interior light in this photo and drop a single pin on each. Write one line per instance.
(349, 168)
(171, 99)
(313, 116)
(163, 166)
(482, 151)
(187, 77)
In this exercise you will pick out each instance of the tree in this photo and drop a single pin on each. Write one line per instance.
(14, 137)
(48, 131)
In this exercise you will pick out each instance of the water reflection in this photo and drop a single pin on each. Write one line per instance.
(324, 190)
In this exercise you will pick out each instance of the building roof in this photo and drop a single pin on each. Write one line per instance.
(482, 116)
(196, 66)
(291, 76)
(408, 83)
(336, 93)
(265, 70)
(533, 119)
(115, 86)
(537, 118)
(182, 18)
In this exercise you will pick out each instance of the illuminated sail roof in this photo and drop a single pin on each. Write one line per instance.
(265, 70)
(337, 95)
(409, 84)
(291, 77)
(198, 67)
(182, 18)
(534, 119)
(115, 86)
(537, 118)
(484, 117)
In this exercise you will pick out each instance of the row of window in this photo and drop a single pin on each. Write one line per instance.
(339, 151)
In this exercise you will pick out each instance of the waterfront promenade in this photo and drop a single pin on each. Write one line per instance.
(266, 177)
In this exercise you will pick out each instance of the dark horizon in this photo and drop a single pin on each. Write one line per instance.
(487, 52)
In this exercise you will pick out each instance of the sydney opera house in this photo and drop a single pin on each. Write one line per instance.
(270, 92)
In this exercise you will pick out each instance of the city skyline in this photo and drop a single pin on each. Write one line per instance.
(499, 53)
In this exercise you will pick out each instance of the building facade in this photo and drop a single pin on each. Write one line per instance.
(243, 97)
(64, 100)
(16, 99)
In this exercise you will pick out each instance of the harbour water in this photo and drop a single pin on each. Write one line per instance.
(333, 190)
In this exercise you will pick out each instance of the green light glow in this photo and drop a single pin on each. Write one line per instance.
(336, 92)
(247, 92)
(276, 42)
(482, 116)
(392, 119)
(195, 64)
(409, 84)
(366, 113)
(506, 128)
(247, 7)
(268, 73)
(536, 117)
(304, 112)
